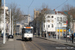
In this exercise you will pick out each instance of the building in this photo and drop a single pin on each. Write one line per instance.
(36, 13)
(2, 18)
(26, 20)
(19, 28)
(55, 24)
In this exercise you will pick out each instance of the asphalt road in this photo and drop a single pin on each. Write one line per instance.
(42, 44)
(39, 44)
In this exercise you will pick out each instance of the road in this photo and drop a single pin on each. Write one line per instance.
(36, 44)
(42, 44)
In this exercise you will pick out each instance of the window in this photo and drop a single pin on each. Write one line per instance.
(60, 19)
(64, 20)
(57, 18)
(28, 30)
(52, 21)
(48, 17)
(48, 20)
(52, 25)
(48, 25)
(52, 16)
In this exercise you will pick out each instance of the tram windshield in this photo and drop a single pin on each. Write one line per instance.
(28, 30)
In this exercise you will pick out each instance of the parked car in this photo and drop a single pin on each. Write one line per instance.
(68, 35)
(10, 36)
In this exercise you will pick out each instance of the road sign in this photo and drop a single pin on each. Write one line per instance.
(69, 30)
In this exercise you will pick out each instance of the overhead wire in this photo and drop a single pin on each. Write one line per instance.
(61, 4)
(30, 5)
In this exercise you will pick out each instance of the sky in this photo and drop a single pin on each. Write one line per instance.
(37, 4)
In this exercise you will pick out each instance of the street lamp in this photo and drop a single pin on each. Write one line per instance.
(46, 28)
(4, 39)
(12, 25)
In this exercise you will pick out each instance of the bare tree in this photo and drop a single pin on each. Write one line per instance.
(67, 7)
(16, 13)
(41, 18)
(70, 11)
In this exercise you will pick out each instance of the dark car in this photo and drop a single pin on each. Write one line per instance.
(10, 36)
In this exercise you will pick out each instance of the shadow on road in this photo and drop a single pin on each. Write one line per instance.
(23, 40)
(19, 39)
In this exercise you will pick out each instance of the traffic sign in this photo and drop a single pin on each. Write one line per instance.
(69, 30)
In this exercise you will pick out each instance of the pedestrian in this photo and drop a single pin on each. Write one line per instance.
(72, 38)
(45, 35)
(53, 35)
(49, 35)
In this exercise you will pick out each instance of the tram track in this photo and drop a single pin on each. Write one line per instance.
(30, 45)
(40, 44)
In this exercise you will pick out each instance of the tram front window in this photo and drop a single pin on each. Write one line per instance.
(28, 30)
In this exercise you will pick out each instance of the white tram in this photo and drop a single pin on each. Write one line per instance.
(27, 33)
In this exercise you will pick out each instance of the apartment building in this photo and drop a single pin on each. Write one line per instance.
(55, 24)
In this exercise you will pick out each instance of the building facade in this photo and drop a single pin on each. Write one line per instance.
(2, 18)
(55, 24)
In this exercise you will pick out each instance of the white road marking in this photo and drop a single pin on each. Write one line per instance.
(23, 46)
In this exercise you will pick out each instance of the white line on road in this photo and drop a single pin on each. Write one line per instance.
(23, 46)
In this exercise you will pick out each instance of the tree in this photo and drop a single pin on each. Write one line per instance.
(41, 18)
(16, 13)
(67, 7)
(70, 11)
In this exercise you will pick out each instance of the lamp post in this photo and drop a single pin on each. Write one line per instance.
(12, 25)
(56, 30)
(10, 22)
(46, 28)
(4, 38)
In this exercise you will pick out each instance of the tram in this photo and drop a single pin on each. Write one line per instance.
(27, 33)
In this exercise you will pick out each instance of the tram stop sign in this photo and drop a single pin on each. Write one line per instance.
(69, 30)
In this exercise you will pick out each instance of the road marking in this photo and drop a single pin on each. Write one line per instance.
(23, 46)
(10, 39)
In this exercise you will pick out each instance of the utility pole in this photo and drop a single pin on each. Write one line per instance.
(28, 19)
(46, 28)
(10, 22)
(12, 25)
(59, 29)
(56, 29)
(4, 37)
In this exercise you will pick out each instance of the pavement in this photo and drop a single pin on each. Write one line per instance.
(60, 41)
(11, 44)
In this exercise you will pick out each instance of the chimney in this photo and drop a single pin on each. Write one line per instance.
(54, 9)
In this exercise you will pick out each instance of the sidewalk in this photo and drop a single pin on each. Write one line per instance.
(12, 44)
(1, 40)
(59, 41)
